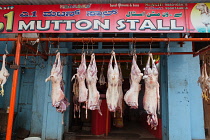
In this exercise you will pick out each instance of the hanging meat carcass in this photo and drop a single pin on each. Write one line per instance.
(112, 94)
(81, 76)
(120, 91)
(102, 78)
(4, 74)
(76, 97)
(204, 81)
(131, 96)
(91, 80)
(59, 101)
(207, 82)
(151, 99)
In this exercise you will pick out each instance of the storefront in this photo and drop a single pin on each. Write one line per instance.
(167, 30)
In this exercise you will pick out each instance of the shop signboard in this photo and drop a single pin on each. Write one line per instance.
(119, 17)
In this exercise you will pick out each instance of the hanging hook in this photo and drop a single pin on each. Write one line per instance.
(6, 47)
(92, 44)
(150, 45)
(134, 46)
(168, 47)
(58, 46)
(26, 57)
(113, 44)
(83, 46)
(87, 45)
(103, 62)
(141, 61)
(37, 50)
(50, 46)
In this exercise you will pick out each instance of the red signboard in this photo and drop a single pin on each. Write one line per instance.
(83, 18)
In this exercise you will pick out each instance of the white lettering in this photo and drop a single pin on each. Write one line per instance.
(57, 24)
(121, 24)
(23, 26)
(174, 25)
(132, 23)
(83, 25)
(147, 24)
(69, 24)
(46, 27)
(104, 25)
(160, 25)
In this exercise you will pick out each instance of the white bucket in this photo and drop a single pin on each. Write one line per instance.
(32, 138)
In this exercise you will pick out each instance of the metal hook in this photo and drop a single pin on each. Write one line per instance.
(134, 46)
(26, 57)
(6, 48)
(113, 44)
(50, 46)
(58, 45)
(103, 62)
(37, 50)
(83, 45)
(150, 45)
(168, 47)
(141, 61)
(87, 45)
(92, 44)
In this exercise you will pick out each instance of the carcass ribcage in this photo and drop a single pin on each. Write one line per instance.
(131, 96)
(151, 99)
(58, 98)
(112, 94)
(4, 74)
(91, 79)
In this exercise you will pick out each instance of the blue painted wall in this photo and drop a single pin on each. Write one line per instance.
(185, 109)
(38, 100)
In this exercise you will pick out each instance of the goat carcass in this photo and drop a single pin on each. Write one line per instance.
(120, 91)
(81, 75)
(58, 98)
(131, 96)
(112, 94)
(204, 81)
(4, 74)
(91, 80)
(151, 99)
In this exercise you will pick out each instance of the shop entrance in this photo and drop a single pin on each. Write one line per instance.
(133, 123)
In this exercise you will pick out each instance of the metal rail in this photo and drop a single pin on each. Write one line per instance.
(93, 40)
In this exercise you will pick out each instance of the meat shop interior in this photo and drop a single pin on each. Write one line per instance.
(173, 72)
